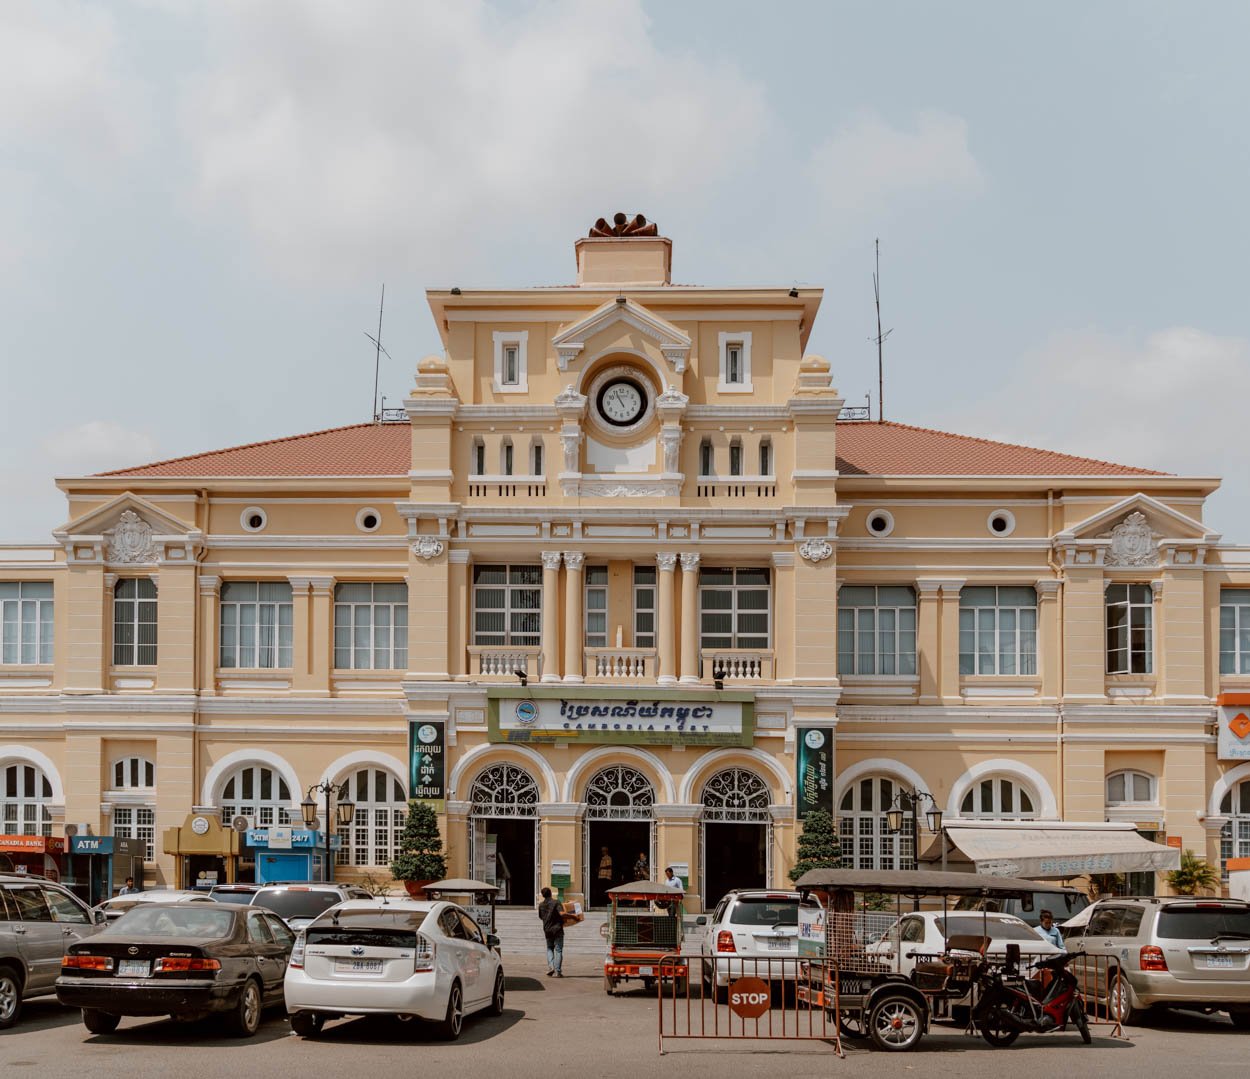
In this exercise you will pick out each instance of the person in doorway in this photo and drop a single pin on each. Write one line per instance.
(552, 917)
(642, 867)
(129, 887)
(672, 880)
(604, 874)
(1048, 931)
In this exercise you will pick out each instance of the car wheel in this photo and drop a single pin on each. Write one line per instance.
(1120, 1001)
(99, 1022)
(1240, 1018)
(245, 1019)
(307, 1024)
(449, 1029)
(895, 1024)
(496, 998)
(10, 997)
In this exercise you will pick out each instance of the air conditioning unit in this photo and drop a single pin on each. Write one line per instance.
(243, 824)
(72, 830)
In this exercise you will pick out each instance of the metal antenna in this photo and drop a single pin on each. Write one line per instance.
(378, 351)
(880, 338)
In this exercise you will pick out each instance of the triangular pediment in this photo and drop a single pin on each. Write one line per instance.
(128, 530)
(1137, 532)
(672, 342)
(1169, 523)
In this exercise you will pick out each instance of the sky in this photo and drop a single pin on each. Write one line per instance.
(199, 204)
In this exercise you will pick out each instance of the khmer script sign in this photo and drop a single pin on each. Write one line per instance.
(644, 717)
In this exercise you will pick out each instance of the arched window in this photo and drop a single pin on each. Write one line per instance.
(998, 798)
(381, 806)
(24, 797)
(866, 843)
(131, 772)
(256, 791)
(736, 795)
(619, 793)
(1130, 788)
(504, 790)
(1235, 835)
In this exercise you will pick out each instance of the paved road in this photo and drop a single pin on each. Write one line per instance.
(571, 1027)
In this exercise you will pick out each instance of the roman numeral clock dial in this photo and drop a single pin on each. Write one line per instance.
(621, 402)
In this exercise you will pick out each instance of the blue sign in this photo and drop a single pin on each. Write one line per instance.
(301, 839)
(91, 844)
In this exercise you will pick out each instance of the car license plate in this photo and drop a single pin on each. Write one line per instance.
(358, 966)
(132, 968)
(1220, 961)
(646, 972)
(779, 944)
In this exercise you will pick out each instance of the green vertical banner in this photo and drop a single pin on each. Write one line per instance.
(427, 760)
(814, 760)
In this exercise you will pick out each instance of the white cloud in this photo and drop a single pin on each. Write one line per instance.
(867, 164)
(348, 136)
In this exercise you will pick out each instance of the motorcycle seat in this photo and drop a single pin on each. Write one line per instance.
(935, 968)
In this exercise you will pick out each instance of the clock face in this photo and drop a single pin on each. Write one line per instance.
(621, 402)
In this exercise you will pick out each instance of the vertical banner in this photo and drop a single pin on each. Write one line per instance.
(814, 758)
(427, 760)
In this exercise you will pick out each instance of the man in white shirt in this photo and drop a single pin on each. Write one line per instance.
(671, 880)
(1048, 931)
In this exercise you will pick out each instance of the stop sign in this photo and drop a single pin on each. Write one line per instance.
(749, 997)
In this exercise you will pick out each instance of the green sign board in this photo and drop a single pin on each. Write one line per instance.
(814, 765)
(427, 760)
(594, 715)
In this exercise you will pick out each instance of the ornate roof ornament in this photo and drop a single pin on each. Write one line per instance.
(130, 540)
(624, 225)
(1132, 543)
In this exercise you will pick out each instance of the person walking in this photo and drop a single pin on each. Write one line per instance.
(1048, 931)
(129, 887)
(552, 917)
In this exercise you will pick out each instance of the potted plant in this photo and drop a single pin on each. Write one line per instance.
(1194, 877)
(420, 860)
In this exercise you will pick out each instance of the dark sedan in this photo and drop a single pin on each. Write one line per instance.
(186, 960)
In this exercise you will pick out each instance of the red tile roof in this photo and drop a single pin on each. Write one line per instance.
(864, 449)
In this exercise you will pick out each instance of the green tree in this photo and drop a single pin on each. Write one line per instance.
(1194, 877)
(420, 846)
(818, 845)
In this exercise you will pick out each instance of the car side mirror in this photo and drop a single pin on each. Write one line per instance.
(492, 941)
(701, 920)
(100, 917)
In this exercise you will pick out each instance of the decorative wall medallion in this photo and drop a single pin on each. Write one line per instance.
(816, 550)
(1132, 543)
(131, 540)
(428, 547)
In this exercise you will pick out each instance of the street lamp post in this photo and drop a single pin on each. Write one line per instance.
(906, 801)
(346, 813)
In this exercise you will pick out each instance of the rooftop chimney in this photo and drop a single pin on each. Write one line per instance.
(624, 251)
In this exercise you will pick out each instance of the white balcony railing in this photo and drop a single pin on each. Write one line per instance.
(738, 664)
(620, 664)
(501, 662)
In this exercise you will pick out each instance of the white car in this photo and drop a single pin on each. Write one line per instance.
(752, 933)
(117, 906)
(915, 937)
(400, 957)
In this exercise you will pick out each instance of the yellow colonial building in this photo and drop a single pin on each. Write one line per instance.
(620, 584)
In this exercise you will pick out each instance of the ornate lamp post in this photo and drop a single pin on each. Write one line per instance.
(346, 813)
(909, 801)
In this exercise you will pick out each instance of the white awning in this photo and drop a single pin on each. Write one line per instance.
(1045, 850)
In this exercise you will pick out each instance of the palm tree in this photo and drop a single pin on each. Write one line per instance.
(1195, 876)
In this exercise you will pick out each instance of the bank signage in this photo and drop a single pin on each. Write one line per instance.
(427, 760)
(814, 764)
(638, 717)
(1233, 743)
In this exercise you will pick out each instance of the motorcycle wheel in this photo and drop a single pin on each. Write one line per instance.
(1082, 1023)
(996, 1032)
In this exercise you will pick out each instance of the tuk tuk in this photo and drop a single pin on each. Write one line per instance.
(644, 935)
(867, 989)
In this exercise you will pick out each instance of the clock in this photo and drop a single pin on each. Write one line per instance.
(199, 825)
(621, 402)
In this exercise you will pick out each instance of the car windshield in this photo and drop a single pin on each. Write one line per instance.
(198, 920)
(994, 928)
(376, 928)
(295, 903)
(765, 912)
(1204, 922)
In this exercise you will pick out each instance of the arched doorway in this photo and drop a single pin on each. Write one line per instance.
(620, 829)
(736, 825)
(503, 834)
(1235, 834)
(372, 839)
(866, 842)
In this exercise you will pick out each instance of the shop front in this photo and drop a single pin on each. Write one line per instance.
(285, 854)
(98, 865)
(205, 852)
(39, 854)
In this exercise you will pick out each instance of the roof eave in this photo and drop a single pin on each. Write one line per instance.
(859, 482)
(68, 484)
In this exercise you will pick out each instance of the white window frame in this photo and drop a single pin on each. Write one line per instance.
(478, 464)
(735, 456)
(17, 610)
(137, 773)
(126, 611)
(278, 651)
(520, 339)
(866, 842)
(859, 616)
(996, 812)
(22, 813)
(741, 338)
(707, 458)
(1021, 656)
(1234, 660)
(538, 456)
(529, 640)
(1147, 652)
(1129, 775)
(136, 822)
(1235, 833)
(372, 838)
(640, 608)
(766, 460)
(265, 812)
(735, 610)
(507, 458)
(595, 640)
(354, 615)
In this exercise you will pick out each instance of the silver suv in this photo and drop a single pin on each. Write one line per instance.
(1172, 951)
(299, 904)
(752, 932)
(39, 920)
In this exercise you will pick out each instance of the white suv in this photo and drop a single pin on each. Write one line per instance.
(400, 957)
(752, 933)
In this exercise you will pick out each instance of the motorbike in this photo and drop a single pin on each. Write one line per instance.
(1011, 1003)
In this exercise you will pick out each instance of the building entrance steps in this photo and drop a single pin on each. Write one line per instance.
(521, 933)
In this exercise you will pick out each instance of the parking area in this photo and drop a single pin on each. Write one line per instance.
(570, 1026)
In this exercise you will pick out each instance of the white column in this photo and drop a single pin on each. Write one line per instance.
(690, 672)
(551, 616)
(573, 601)
(667, 563)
